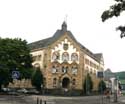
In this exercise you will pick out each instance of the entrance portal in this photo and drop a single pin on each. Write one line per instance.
(65, 83)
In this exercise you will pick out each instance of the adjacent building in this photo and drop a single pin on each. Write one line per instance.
(65, 62)
(114, 80)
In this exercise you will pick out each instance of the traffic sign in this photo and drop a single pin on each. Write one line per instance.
(15, 74)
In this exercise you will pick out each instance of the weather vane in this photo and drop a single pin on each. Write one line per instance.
(65, 19)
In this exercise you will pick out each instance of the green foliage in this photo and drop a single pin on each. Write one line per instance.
(5, 77)
(14, 55)
(101, 86)
(88, 84)
(120, 75)
(37, 79)
(115, 10)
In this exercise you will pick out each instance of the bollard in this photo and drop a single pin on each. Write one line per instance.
(44, 102)
(40, 101)
(37, 101)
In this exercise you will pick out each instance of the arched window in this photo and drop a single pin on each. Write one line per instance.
(54, 82)
(56, 56)
(74, 57)
(65, 56)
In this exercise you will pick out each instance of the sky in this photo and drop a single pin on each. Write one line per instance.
(34, 20)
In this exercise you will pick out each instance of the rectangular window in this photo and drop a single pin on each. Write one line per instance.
(87, 61)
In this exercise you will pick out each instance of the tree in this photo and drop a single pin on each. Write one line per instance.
(101, 86)
(88, 84)
(115, 10)
(4, 77)
(14, 55)
(37, 79)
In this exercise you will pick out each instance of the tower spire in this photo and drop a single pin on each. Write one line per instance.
(64, 24)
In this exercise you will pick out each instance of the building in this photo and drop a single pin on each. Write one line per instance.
(114, 80)
(121, 78)
(109, 78)
(65, 62)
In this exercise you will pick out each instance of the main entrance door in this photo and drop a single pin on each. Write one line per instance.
(65, 82)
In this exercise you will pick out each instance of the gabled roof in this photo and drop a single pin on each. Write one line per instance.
(45, 42)
(108, 74)
(39, 44)
(59, 33)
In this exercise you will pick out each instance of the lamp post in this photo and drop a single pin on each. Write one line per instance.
(116, 90)
(100, 75)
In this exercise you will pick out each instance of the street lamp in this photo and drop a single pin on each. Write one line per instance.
(115, 90)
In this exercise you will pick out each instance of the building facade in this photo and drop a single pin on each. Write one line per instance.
(65, 62)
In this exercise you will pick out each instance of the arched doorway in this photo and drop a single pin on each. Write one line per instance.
(65, 82)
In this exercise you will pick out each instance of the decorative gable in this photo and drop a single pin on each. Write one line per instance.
(65, 51)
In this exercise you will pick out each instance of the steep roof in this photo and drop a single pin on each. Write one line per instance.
(108, 74)
(46, 42)
(40, 44)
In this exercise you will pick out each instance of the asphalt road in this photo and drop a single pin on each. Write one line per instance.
(11, 99)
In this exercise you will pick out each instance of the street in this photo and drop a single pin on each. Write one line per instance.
(32, 99)
(11, 99)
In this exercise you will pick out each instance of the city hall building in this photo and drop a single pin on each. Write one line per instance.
(64, 62)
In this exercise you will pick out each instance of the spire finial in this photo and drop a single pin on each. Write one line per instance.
(64, 25)
(65, 19)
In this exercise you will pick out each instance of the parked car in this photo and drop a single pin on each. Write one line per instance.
(33, 91)
(12, 91)
(5, 89)
(23, 90)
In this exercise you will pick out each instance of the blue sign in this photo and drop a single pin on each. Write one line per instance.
(15, 74)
